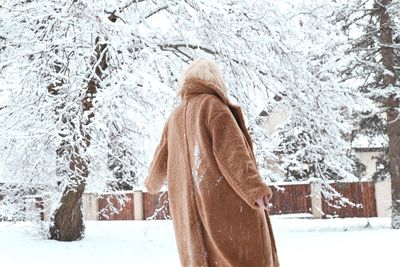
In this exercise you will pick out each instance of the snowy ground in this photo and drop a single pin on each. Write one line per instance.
(301, 243)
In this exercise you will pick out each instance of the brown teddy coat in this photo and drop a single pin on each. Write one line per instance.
(213, 183)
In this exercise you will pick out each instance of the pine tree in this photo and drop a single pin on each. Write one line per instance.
(375, 68)
(390, 80)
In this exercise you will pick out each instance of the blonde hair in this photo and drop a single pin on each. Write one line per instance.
(207, 70)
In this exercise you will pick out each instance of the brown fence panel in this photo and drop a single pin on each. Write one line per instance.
(291, 199)
(155, 207)
(362, 194)
(117, 212)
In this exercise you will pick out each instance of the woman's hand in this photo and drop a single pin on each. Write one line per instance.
(263, 202)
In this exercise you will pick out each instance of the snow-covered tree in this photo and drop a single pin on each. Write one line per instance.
(373, 29)
(314, 144)
(88, 84)
(78, 102)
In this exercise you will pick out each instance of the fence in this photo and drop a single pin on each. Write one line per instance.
(291, 198)
(362, 195)
(299, 198)
(302, 199)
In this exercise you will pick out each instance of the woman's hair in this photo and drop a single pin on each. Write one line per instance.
(207, 70)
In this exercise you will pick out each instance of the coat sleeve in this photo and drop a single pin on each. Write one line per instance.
(158, 168)
(234, 159)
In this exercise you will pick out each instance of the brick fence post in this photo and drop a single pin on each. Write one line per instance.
(138, 205)
(46, 208)
(316, 200)
(90, 207)
(383, 197)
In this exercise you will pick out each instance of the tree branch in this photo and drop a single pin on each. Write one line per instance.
(129, 4)
(177, 46)
(113, 17)
(156, 11)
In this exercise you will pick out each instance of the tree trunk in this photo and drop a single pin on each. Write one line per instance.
(394, 163)
(67, 222)
(392, 106)
(68, 219)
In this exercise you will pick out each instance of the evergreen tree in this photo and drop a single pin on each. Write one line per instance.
(373, 28)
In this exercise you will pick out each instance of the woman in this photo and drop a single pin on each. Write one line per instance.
(216, 195)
